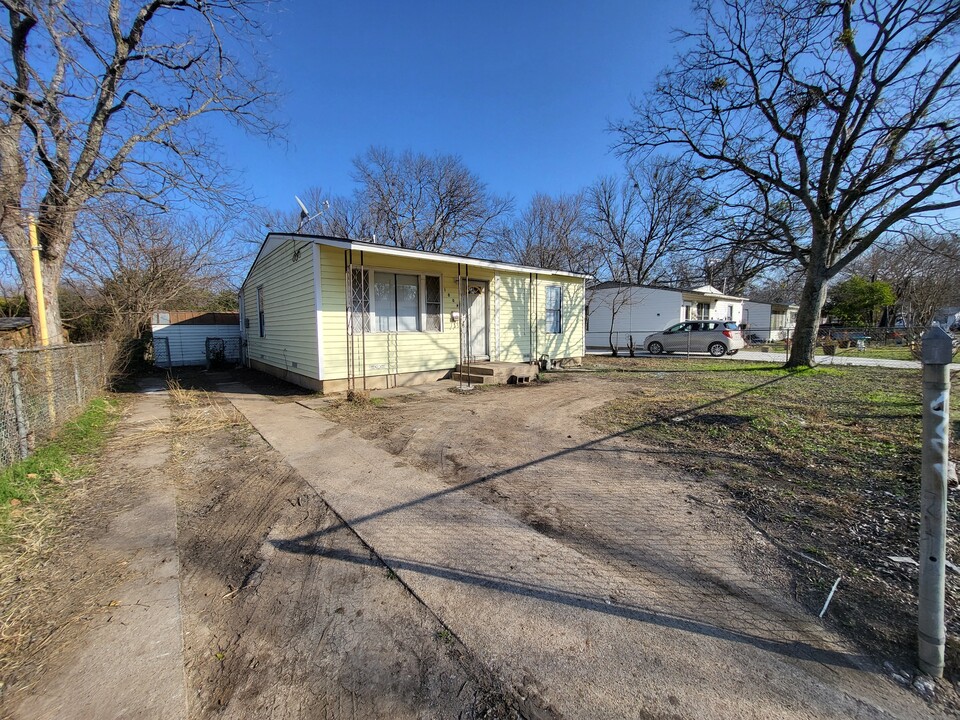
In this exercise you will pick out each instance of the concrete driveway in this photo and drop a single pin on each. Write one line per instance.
(665, 631)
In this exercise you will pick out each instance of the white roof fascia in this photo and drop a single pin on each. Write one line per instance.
(717, 296)
(419, 254)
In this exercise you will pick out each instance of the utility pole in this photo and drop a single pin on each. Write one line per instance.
(936, 352)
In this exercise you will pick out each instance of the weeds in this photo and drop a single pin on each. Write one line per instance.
(34, 502)
(55, 464)
(196, 412)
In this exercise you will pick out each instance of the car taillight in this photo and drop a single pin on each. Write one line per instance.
(727, 333)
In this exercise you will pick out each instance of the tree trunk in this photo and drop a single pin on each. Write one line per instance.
(812, 300)
(51, 268)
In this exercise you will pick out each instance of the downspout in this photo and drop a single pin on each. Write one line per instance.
(348, 301)
(460, 326)
(536, 314)
(363, 319)
(583, 321)
(530, 316)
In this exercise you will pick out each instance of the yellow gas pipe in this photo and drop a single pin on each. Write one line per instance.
(38, 282)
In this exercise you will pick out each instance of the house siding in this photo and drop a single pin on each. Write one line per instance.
(508, 318)
(310, 338)
(290, 321)
(569, 342)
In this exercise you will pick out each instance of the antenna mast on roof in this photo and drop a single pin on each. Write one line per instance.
(305, 215)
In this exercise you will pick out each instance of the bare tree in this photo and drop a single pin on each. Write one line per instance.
(844, 112)
(103, 98)
(549, 233)
(612, 296)
(427, 203)
(923, 269)
(639, 220)
(781, 286)
(126, 264)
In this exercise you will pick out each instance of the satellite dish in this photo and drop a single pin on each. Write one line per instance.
(305, 215)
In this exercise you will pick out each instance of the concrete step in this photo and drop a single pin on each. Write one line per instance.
(476, 368)
(471, 379)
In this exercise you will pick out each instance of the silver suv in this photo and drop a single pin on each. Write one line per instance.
(716, 337)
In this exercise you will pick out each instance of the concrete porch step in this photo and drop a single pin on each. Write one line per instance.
(473, 379)
(495, 373)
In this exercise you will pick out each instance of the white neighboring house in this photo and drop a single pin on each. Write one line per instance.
(617, 311)
(947, 317)
(769, 321)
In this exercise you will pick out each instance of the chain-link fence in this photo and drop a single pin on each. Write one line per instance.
(896, 343)
(42, 388)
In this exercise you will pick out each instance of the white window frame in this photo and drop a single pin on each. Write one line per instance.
(371, 270)
(558, 309)
(261, 316)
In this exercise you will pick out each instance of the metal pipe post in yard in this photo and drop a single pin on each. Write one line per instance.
(937, 351)
(76, 376)
(23, 426)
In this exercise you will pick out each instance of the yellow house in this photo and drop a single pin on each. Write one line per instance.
(332, 314)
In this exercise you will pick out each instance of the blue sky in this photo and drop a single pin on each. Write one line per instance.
(522, 91)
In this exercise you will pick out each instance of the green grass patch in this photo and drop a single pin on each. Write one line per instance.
(65, 458)
(826, 460)
(881, 352)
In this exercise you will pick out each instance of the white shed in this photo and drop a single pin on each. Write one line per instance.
(181, 338)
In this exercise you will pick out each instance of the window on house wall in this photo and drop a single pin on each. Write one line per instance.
(359, 301)
(396, 302)
(260, 316)
(729, 312)
(554, 309)
(703, 311)
(433, 304)
(391, 302)
(586, 317)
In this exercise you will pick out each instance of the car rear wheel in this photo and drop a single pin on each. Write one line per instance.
(717, 349)
(655, 348)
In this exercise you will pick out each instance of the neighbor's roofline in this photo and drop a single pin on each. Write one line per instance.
(365, 246)
(609, 284)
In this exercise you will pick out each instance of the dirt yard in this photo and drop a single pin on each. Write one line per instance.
(670, 514)
(267, 634)
(309, 634)
(592, 459)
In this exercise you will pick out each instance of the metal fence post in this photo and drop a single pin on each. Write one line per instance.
(76, 376)
(936, 352)
(23, 428)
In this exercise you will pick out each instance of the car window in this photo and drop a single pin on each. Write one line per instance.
(675, 328)
(687, 327)
(710, 326)
(731, 326)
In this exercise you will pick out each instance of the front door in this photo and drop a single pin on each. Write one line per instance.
(477, 320)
